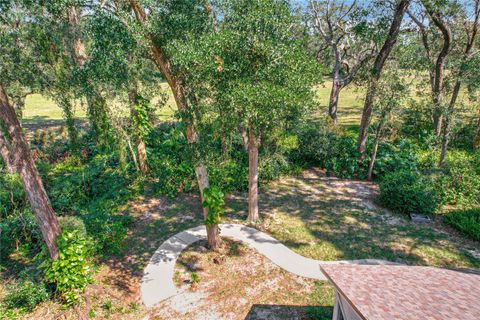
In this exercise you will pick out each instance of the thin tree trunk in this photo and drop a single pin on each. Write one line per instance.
(333, 102)
(19, 152)
(139, 143)
(376, 73)
(440, 69)
(375, 150)
(97, 113)
(130, 148)
(336, 87)
(445, 140)
(476, 140)
(244, 134)
(163, 64)
(6, 156)
(66, 106)
(448, 124)
(252, 177)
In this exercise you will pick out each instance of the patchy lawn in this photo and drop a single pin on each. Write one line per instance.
(326, 218)
(238, 283)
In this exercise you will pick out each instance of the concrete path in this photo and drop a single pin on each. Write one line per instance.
(157, 282)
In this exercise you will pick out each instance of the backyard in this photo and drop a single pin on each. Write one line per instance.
(197, 159)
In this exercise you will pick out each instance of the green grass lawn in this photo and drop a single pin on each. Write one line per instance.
(42, 110)
(349, 106)
(39, 109)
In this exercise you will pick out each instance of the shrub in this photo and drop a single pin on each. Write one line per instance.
(12, 195)
(21, 228)
(459, 181)
(25, 295)
(230, 175)
(315, 144)
(107, 230)
(272, 166)
(466, 221)
(71, 272)
(408, 192)
(403, 155)
(343, 161)
(170, 160)
(70, 224)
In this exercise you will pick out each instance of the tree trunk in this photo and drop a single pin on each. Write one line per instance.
(376, 73)
(366, 118)
(333, 103)
(163, 64)
(213, 236)
(336, 87)
(252, 177)
(476, 141)
(448, 124)
(445, 140)
(66, 106)
(139, 142)
(440, 69)
(244, 134)
(19, 153)
(6, 156)
(374, 153)
(96, 110)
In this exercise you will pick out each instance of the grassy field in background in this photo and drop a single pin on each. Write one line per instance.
(42, 110)
(39, 109)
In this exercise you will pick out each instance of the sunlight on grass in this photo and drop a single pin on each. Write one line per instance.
(39, 109)
(349, 106)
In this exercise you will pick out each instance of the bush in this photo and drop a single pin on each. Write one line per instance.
(343, 162)
(21, 228)
(70, 224)
(170, 160)
(107, 230)
(12, 195)
(230, 175)
(459, 181)
(408, 192)
(71, 272)
(403, 155)
(272, 166)
(25, 295)
(315, 144)
(466, 221)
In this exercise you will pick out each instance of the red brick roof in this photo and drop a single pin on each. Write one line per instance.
(408, 292)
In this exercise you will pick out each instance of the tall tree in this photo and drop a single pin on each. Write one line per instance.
(255, 74)
(97, 107)
(376, 72)
(463, 73)
(159, 29)
(23, 65)
(344, 29)
(18, 151)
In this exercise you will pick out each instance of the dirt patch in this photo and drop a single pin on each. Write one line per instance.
(234, 282)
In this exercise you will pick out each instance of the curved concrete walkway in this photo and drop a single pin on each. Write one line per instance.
(157, 282)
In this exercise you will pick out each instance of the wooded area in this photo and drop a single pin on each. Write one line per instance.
(244, 76)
